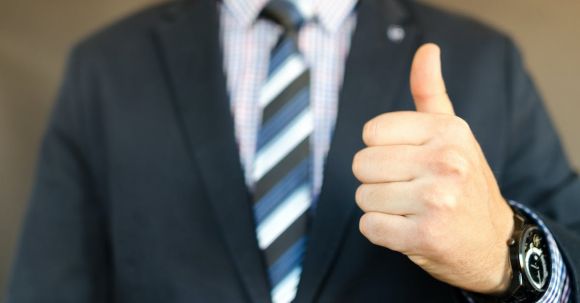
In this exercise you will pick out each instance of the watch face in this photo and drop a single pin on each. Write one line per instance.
(536, 269)
(535, 265)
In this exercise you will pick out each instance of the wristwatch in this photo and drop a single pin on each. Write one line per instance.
(529, 261)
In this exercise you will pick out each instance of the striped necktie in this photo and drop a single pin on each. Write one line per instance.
(282, 167)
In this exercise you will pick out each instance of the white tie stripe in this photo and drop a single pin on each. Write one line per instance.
(291, 69)
(285, 291)
(283, 216)
(271, 154)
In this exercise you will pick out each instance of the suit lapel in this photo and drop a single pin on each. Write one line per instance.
(189, 44)
(375, 76)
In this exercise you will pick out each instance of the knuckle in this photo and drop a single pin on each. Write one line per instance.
(424, 236)
(451, 162)
(433, 247)
(438, 199)
(429, 239)
(447, 202)
(427, 194)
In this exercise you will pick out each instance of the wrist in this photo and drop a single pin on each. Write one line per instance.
(504, 228)
(507, 276)
(528, 263)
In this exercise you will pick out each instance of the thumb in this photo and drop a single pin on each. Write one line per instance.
(427, 85)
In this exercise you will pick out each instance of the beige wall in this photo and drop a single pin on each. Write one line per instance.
(34, 39)
(549, 34)
(35, 36)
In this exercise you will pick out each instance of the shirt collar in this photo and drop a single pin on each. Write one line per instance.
(330, 13)
(245, 11)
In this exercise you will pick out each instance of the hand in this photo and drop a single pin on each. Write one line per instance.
(428, 192)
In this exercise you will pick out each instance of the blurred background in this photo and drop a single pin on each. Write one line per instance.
(35, 36)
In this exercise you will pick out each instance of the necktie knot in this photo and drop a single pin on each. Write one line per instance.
(285, 13)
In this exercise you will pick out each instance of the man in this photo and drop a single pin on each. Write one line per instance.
(204, 151)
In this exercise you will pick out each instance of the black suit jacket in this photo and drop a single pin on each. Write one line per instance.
(140, 194)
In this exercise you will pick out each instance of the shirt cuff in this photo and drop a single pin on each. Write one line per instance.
(559, 290)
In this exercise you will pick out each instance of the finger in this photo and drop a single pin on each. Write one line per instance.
(396, 128)
(427, 84)
(382, 164)
(395, 198)
(390, 231)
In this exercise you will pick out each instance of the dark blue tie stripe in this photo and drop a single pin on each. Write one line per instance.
(283, 50)
(278, 172)
(287, 239)
(296, 178)
(285, 96)
(283, 117)
(287, 261)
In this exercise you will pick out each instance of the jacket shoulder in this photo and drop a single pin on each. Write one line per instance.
(130, 35)
(458, 31)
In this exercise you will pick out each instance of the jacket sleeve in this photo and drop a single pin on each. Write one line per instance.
(63, 251)
(537, 171)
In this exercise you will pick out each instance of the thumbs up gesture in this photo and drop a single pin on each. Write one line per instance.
(428, 192)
